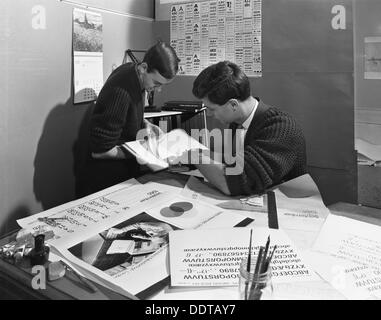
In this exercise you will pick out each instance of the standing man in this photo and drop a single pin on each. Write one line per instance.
(270, 146)
(118, 116)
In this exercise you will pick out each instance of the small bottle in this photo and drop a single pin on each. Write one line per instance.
(39, 255)
(253, 287)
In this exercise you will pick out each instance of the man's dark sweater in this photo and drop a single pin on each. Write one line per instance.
(117, 117)
(274, 151)
(118, 113)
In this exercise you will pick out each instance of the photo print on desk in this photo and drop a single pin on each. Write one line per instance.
(123, 246)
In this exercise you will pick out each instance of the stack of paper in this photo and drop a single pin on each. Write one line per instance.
(348, 255)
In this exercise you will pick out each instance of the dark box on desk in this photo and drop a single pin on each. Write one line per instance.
(183, 106)
(369, 186)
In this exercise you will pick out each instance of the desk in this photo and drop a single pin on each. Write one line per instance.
(15, 282)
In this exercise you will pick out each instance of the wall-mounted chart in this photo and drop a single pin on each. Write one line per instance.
(372, 58)
(206, 32)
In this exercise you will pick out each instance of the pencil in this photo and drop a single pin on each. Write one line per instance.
(253, 287)
(271, 256)
(260, 263)
(248, 266)
(249, 256)
(264, 266)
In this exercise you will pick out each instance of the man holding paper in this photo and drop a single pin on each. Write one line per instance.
(267, 147)
(118, 117)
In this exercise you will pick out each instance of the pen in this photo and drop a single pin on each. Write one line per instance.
(92, 288)
(44, 219)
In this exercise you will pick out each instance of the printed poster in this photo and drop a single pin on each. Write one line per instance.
(131, 250)
(372, 58)
(212, 257)
(206, 32)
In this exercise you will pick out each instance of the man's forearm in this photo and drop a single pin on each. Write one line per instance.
(114, 153)
(214, 172)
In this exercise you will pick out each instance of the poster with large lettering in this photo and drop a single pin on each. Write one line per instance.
(212, 257)
(205, 32)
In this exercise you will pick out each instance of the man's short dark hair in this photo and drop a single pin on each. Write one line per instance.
(221, 82)
(162, 58)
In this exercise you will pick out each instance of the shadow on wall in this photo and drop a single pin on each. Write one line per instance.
(19, 212)
(60, 153)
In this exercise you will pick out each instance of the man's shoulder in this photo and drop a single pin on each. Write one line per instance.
(121, 73)
(273, 121)
(123, 81)
(266, 112)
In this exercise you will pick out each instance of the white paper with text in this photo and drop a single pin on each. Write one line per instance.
(211, 257)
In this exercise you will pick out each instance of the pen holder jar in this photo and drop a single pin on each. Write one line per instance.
(254, 286)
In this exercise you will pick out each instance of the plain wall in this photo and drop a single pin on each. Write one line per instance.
(40, 128)
(308, 72)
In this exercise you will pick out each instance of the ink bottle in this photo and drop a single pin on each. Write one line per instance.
(39, 255)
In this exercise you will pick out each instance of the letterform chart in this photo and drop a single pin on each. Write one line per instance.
(206, 32)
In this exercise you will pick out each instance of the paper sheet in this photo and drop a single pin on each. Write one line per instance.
(211, 257)
(85, 213)
(301, 218)
(354, 281)
(370, 151)
(183, 212)
(154, 152)
(352, 240)
(202, 191)
(106, 253)
(93, 213)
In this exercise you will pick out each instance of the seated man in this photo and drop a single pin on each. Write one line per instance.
(270, 146)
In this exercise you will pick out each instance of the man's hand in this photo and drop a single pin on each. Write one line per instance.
(187, 157)
(152, 130)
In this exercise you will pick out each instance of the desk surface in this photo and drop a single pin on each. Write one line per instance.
(15, 282)
(148, 115)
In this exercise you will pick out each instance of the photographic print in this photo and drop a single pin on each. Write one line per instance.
(88, 55)
(117, 249)
(87, 31)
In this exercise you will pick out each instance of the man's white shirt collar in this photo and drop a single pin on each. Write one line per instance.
(247, 122)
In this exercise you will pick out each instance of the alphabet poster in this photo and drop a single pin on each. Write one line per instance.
(88, 55)
(206, 32)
